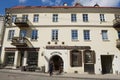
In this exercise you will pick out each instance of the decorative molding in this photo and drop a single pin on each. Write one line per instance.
(68, 47)
(21, 48)
(56, 52)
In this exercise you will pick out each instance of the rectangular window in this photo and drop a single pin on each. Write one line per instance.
(24, 18)
(117, 16)
(14, 18)
(102, 18)
(74, 34)
(85, 17)
(55, 17)
(9, 58)
(54, 35)
(73, 18)
(36, 18)
(118, 34)
(23, 33)
(75, 58)
(32, 59)
(104, 34)
(34, 35)
(86, 34)
(11, 34)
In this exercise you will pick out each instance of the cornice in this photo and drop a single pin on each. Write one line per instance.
(66, 26)
(65, 10)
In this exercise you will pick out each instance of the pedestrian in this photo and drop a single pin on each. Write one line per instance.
(51, 68)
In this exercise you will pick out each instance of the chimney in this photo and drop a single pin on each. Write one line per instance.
(65, 4)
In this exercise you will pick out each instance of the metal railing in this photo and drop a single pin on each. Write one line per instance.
(21, 41)
(116, 21)
(21, 20)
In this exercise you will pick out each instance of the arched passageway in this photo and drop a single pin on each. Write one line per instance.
(57, 62)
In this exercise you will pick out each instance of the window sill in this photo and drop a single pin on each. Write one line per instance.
(106, 40)
(87, 40)
(75, 40)
(103, 21)
(86, 21)
(54, 40)
(34, 40)
(35, 22)
(55, 21)
(74, 21)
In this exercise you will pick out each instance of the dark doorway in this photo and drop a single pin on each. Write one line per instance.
(21, 57)
(89, 68)
(106, 62)
(58, 63)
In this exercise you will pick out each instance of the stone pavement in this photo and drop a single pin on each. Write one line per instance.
(66, 75)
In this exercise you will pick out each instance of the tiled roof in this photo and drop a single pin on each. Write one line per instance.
(22, 7)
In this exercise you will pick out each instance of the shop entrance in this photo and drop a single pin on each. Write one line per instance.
(106, 62)
(57, 62)
(21, 53)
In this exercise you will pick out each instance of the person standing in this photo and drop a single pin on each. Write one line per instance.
(51, 68)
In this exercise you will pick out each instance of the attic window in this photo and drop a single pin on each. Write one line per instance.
(96, 5)
(78, 4)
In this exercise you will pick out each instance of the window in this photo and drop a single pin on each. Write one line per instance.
(104, 35)
(86, 35)
(85, 17)
(36, 18)
(118, 34)
(102, 18)
(75, 58)
(73, 18)
(89, 56)
(32, 59)
(11, 34)
(74, 34)
(23, 33)
(9, 59)
(14, 18)
(117, 16)
(54, 35)
(55, 17)
(34, 35)
(25, 18)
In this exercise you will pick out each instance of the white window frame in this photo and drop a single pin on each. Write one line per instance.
(55, 35)
(74, 35)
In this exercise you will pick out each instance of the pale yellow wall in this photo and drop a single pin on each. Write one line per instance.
(64, 35)
(65, 19)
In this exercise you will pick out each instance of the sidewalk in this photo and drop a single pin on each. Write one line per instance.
(66, 75)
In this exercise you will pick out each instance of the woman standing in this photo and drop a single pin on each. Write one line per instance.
(51, 68)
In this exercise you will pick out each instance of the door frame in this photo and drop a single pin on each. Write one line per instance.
(105, 61)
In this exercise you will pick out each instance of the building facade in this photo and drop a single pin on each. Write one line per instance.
(1, 30)
(77, 39)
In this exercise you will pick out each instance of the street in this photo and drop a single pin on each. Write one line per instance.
(22, 76)
(13, 76)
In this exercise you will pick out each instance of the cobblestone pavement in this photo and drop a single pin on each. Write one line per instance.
(18, 75)
(13, 76)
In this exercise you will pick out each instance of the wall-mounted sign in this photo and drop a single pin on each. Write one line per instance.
(68, 47)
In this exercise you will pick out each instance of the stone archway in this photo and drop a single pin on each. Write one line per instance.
(58, 63)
